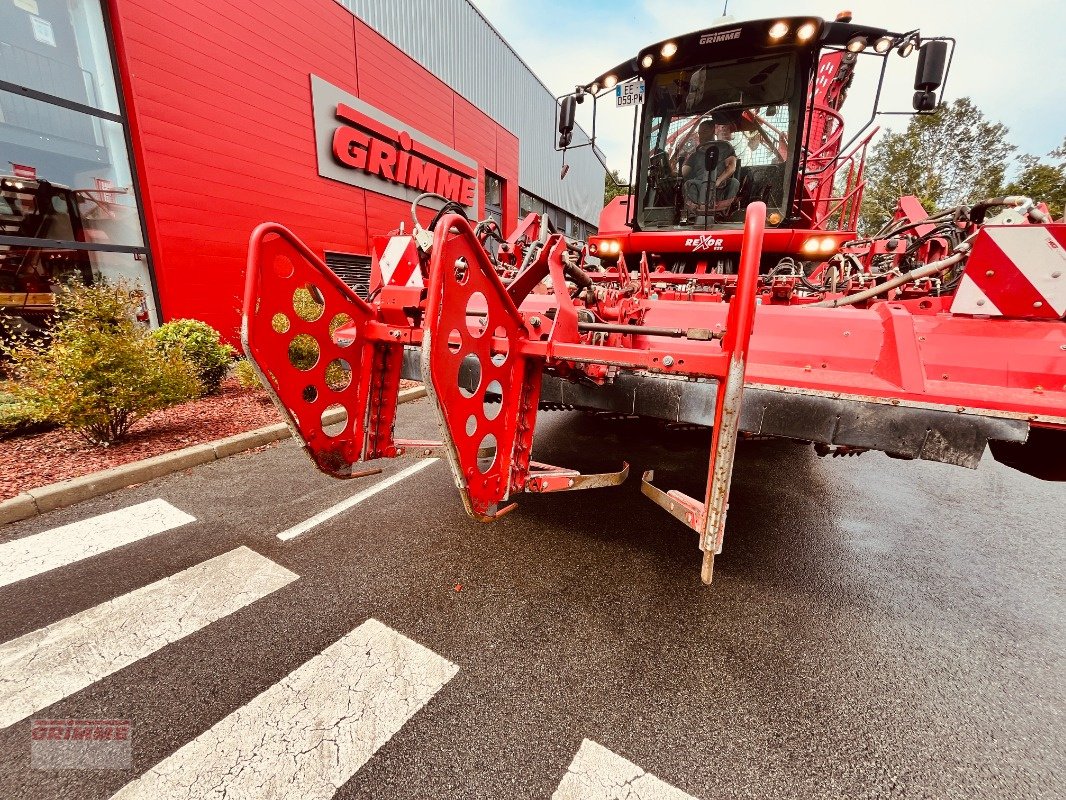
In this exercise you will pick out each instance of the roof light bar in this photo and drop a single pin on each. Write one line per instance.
(884, 44)
(856, 44)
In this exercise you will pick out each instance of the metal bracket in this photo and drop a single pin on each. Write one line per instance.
(546, 478)
(421, 448)
(684, 508)
(708, 518)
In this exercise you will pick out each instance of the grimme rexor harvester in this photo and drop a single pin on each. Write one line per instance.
(752, 307)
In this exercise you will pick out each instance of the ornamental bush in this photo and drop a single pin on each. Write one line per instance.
(99, 372)
(17, 417)
(201, 345)
(245, 372)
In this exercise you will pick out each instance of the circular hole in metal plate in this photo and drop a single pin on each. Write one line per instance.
(486, 453)
(310, 394)
(331, 426)
(455, 341)
(308, 303)
(500, 346)
(338, 374)
(283, 267)
(280, 323)
(493, 401)
(338, 322)
(469, 375)
(303, 351)
(471, 425)
(477, 304)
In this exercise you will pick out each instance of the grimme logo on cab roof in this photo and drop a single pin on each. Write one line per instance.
(720, 36)
(377, 149)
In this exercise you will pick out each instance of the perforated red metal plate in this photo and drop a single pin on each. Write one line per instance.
(470, 317)
(307, 334)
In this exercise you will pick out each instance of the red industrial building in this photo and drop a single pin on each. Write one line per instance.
(166, 131)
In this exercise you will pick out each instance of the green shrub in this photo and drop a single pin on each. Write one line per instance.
(18, 417)
(201, 345)
(100, 372)
(245, 372)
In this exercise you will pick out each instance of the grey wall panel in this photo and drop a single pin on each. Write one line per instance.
(455, 42)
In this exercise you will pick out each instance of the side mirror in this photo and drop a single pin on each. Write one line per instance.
(932, 61)
(929, 74)
(924, 101)
(567, 109)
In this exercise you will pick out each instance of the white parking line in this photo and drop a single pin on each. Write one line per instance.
(32, 555)
(51, 663)
(309, 733)
(344, 505)
(598, 774)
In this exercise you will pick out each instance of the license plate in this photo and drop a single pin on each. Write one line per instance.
(629, 94)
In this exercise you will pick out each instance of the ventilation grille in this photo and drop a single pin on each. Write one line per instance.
(353, 269)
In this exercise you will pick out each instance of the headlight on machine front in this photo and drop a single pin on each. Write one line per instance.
(819, 245)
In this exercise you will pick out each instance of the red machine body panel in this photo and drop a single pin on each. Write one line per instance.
(891, 353)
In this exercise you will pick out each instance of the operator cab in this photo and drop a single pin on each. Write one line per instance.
(738, 113)
(715, 137)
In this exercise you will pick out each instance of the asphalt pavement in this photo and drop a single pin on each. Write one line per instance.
(876, 628)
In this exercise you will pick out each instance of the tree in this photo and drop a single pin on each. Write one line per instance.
(1042, 181)
(952, 156)
(614, 185)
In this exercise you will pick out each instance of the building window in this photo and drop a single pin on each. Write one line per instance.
(563, 222)
(65, 172)
(494, 198)
(528, 204)
(59, 48)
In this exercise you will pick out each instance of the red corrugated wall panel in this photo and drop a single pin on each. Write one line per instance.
(219, 101)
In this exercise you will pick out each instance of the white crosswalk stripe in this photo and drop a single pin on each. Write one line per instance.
(33, 555)
(598, 774)
(344, 505)
(310, 732)
(53, 662)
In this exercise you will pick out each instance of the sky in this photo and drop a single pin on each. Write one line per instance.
(1009, 59)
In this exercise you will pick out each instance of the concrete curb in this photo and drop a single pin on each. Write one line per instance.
(67, 493)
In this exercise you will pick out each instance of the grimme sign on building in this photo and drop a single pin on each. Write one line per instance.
(365, 147)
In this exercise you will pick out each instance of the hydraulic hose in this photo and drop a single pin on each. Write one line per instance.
(449, 205)
(924, 271)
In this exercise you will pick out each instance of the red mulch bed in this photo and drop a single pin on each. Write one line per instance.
(27, 462)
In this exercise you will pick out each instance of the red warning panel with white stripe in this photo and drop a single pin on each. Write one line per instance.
(1015, 271)
(396, 262)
